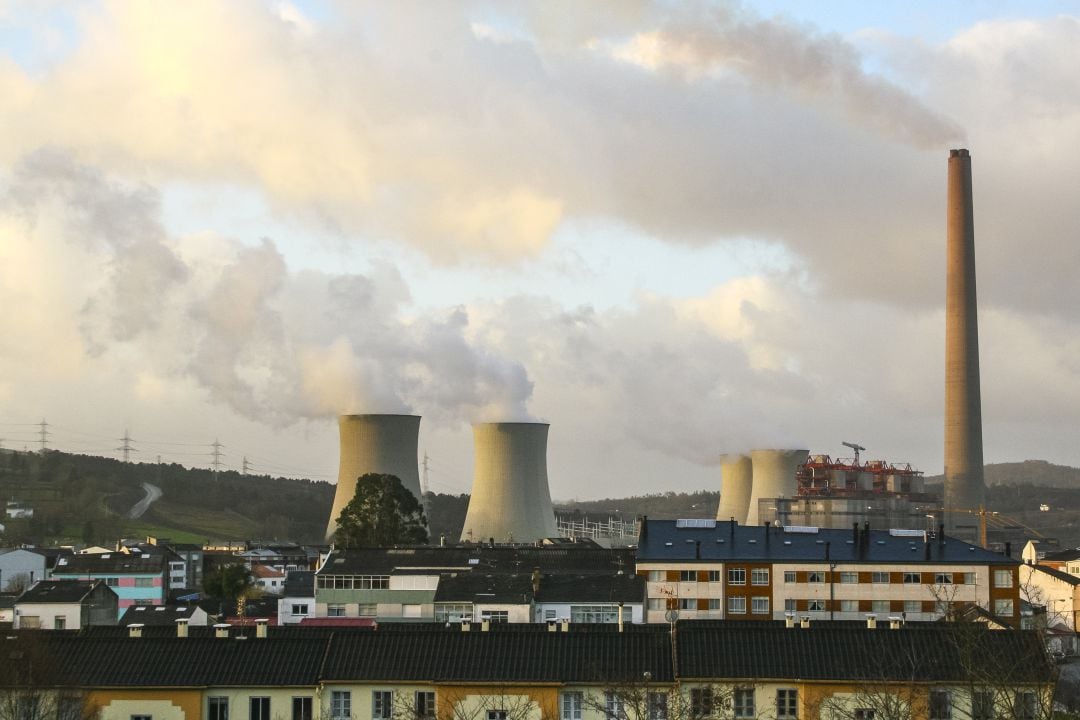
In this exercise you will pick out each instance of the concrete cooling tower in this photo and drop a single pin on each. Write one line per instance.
(510, 496)
(774, 476)
(964, 484)
(736, 476)
(375, 444)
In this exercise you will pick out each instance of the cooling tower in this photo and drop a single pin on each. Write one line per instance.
(735, 481)
(510, 496)
(774, 476)
(964, 486)
(375, 444)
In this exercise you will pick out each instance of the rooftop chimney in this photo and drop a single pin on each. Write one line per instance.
(135, 630)
(221, 630)
(805, 621)
(182, 627)
(789, 620)
(871, 622)
(964, 484)
(260, 627)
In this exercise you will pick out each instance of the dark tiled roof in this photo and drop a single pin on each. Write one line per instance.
(1055, 573)
(1062, 555)
(58, 591)
(824, 652)
(484, 588)
(110, 563)
(450, 655)
(626, 588)
(664, 541)
(300, 583)
(578, 558)
(157, 614)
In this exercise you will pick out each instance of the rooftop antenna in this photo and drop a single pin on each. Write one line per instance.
(854, 446)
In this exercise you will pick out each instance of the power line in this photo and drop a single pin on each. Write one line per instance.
(126, 448)
(44, 434)
(217, 454)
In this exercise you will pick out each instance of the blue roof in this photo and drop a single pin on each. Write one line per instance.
(723, 540)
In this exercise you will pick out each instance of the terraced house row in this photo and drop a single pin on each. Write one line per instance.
(698, 569)
(692, 669)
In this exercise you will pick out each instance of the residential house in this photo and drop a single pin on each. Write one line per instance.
(136, 578)
(530, 672)
(298, 598)
(7, 607)
(1054, 589)
(21, 567)
(700, 569)
(268, 579)
(65, 605)
(164, 615)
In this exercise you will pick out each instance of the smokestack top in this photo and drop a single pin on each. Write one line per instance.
(354, 416)
(959, 152)
(512, 423)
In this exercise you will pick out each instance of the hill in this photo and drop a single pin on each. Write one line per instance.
(1028, 472)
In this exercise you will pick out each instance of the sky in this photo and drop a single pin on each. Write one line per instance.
(670, 230)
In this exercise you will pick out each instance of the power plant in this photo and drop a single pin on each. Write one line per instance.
(964, 485)
(773, 477)
(375, 444)
(511, 501)
(736, 479)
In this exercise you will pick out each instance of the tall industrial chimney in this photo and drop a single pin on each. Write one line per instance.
(736, 476)
(375, 444)
(510, 495)
(964, 486)
(774, 477)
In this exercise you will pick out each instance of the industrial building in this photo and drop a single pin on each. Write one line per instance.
(701, 568)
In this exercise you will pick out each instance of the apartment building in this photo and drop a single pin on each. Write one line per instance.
(135, 578)
(710, 569)
(532, 672)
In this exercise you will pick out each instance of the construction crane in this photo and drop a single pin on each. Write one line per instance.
(992, 517)
(854, 446)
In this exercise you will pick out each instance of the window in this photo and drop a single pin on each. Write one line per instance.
(495, 616)
(716, 604)
(912, 606)
(688, 604)
(789, 576)
(614, 708)
(863, 714)
(258, 707)
(142, 717)
(112, 581)
(657, 576)
(59, 623)
(849, 578)
(549, 614)
(815, 605)
(787, 703)
(410, 610)
(657, 706)
(217, 708)
(354, 582)
(687, 576)
(701, 702)
(849, 606)
(940, 705)
(453, 612)
(759, 605)
(815, 576)
(879, 578)
(880, 607)
(382, 704)
(299, 609)
(301, 708)
(912, 578)
(496, 715)
(30, 622)
(144, 582)
(759, 576)
(340, 704)
(744, 702)
(594, 613)
(1003, 607)
(943, 578)
(425, 704)
(790, 605)
(654, 604)
(1024, 706)
(736, 605)
(982, 705)
(368, 609)
(715, 576)
(1003, 578)
(335, 610)
(736, 576)
(570, 706)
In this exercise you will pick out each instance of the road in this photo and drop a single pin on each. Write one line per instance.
(153, 492)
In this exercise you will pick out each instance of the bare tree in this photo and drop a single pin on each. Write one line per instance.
(30, 688)
(495, 702)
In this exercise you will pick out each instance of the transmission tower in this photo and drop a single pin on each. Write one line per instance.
(217, 454)
(126, 447)
(245, 466)
(44, 434)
